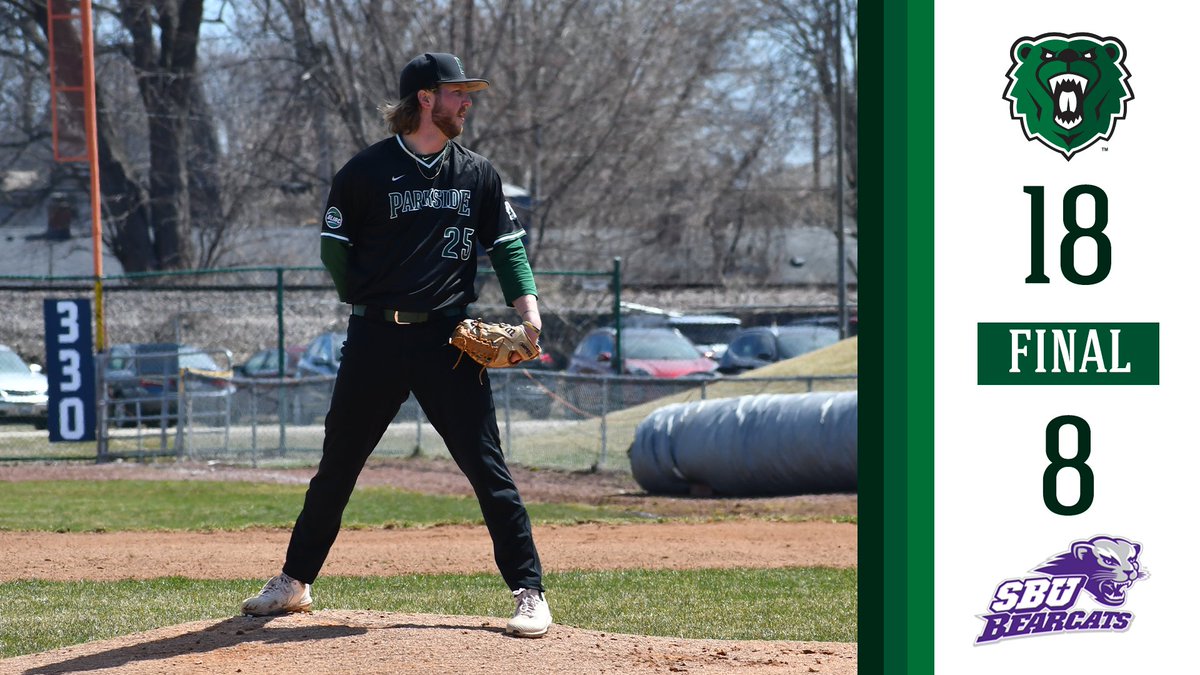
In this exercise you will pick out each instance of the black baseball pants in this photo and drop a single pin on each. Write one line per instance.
(381, 364)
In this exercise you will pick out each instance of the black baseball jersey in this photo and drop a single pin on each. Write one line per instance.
(412, 226)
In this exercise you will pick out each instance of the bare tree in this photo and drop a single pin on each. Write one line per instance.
(148, 207)
(619, 114)
(641, 130)
(675, 136)
(165, 70)
(813, 37)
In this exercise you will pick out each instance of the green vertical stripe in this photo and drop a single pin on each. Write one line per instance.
(895, 344)
(895, 337)
(920, 335)
(895, 223)
(881, 303)
(875, 609)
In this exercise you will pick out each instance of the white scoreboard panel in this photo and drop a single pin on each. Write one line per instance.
(1065, 387)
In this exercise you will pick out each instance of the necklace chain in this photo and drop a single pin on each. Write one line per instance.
(441, 156)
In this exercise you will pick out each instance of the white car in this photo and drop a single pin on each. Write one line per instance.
(22, 389)
(710, 333)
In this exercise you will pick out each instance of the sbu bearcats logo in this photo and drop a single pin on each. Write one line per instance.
(1068, 91)
(1102, 567)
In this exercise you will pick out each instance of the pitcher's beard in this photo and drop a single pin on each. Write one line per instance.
(447, 122)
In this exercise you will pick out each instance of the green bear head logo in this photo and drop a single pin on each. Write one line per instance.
(1068, 91)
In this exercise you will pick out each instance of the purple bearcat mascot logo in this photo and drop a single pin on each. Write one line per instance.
(1105, 567)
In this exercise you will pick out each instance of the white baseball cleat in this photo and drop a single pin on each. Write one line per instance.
(280, 595)
(532, 618)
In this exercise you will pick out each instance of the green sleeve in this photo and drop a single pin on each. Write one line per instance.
(335, 256)
(512, 269)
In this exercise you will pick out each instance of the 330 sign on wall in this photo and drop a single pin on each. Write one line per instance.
(70, 369)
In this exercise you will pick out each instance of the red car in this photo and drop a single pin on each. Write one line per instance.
(661, 362)
(649, 352)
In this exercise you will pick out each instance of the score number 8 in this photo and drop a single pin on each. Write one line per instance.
(1083, 450)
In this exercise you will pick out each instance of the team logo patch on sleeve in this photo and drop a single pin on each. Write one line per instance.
(512, 215)
(333, 218)
(1068, 91)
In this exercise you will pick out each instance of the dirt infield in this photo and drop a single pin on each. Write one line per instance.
(110, 556)
(354, 643)
(337, 641)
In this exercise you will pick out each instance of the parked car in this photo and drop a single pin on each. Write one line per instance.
(322, 356)
(23, 389)
(709, 332)
(652, 352)
(756, 347)
(141, 378)
(659, 356)
(260, 400)
(265, 363)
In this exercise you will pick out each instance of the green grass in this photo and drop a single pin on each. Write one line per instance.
(783, 604)
(81, 506)
(792, 604)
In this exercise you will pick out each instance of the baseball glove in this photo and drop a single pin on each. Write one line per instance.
(494, 345)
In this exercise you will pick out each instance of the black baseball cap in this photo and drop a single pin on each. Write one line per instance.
(429, 70)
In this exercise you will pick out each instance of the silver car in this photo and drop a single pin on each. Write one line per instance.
(22, 389)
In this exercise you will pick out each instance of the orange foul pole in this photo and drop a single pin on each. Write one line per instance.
(93, 153)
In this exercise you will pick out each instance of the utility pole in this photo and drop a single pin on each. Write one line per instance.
(843, 317)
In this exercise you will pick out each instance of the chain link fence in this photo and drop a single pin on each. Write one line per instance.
(547, 417)
(245, 310)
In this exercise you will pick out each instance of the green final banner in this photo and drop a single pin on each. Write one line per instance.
(1068, 353)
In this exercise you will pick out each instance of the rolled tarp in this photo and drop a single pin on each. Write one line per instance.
(764, 444)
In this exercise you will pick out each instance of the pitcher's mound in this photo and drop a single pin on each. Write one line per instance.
(355, 642)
